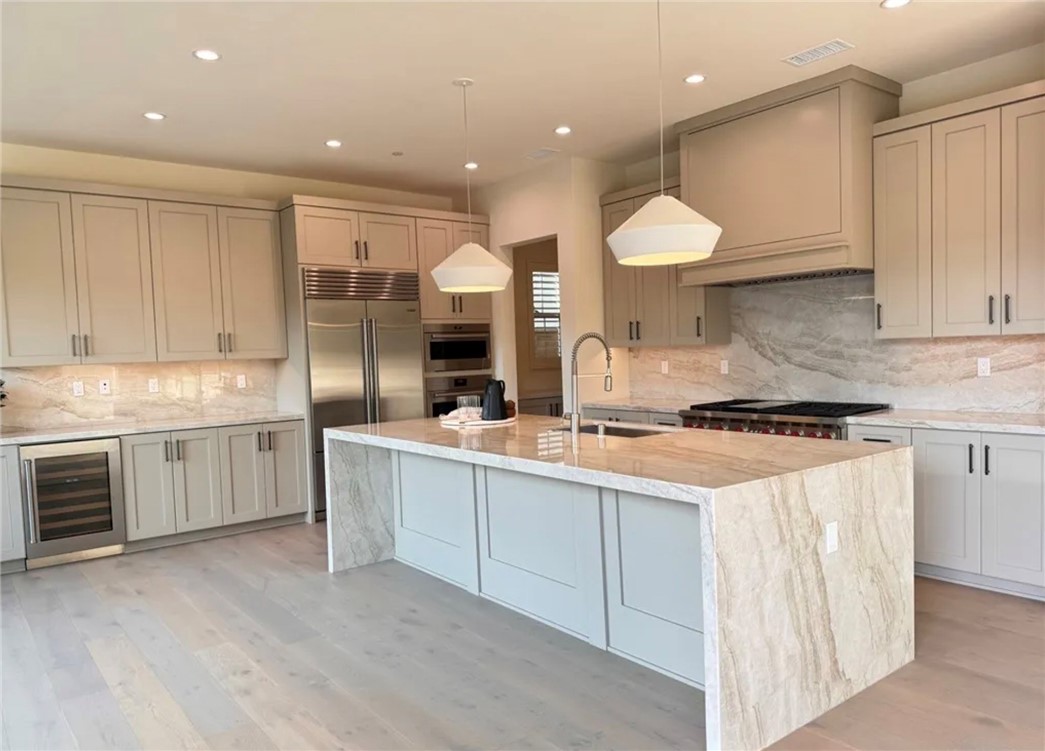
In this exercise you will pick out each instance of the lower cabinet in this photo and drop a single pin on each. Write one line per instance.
(1012, 498)
(615, 415)
(655, 615)
(190, 480)
(12, 525)
(947, 499)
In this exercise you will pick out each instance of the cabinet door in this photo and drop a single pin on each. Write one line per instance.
(12, 524)
(285, 467)
(435, 240)
(242, 455)
(477, 306)
(186, 281)
(619, 283)
(947, 499)
(389, 242)
(688, 320)
(148, 485)
(966, 240)
(903, 234)
(197, 479)
(252, 284)
(1023, 217)
(653, 313)
(38, 316)
(114, 279)
(1014, 507)
(327, 237)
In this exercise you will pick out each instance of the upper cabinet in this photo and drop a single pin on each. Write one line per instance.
(389, 242)
(960, 219)
(437, 239)
(337, 237)
(787, 175)
(644, 306)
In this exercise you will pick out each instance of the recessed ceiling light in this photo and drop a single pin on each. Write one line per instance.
(154, 116)
(208, 55)
(333, 143)
(471, 165)
(563, 130)
(891, 4)
(694, 78)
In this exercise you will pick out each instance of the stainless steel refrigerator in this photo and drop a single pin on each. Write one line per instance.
(364, 351)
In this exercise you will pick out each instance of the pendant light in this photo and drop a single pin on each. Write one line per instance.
(664, 231)
(470, 268)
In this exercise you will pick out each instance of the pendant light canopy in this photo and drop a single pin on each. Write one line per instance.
(664, 231)
(470, 268)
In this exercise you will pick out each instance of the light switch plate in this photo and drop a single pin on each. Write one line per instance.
(831, 537)
(154, 385)
(663, 367)
(723, 367)
(241, 381)
(77, 388)
(983, 367)
(104, 387)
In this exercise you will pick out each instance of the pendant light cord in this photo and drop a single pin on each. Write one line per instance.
(467, 160)
(660, 93)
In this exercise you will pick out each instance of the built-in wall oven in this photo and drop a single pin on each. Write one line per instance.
(441, 392)
(74, 500)
(456, 346)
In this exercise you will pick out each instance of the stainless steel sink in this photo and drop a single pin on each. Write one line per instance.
(617, 431)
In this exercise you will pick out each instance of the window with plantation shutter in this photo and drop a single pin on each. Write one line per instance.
(544, 286)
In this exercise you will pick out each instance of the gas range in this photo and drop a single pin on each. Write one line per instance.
(777, 417)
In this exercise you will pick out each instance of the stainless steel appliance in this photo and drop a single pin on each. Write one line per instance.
(441, 392)
(74, 499)
(457, 346)
(788, 418)
(364, 350)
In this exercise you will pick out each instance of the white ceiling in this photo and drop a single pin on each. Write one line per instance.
(377, 75)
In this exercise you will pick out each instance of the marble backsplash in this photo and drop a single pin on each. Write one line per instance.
(43, 397)
(814, 340)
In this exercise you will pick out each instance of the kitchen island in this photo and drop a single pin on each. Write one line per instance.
(774, 573)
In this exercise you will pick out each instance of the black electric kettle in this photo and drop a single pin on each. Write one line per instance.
(494, 407)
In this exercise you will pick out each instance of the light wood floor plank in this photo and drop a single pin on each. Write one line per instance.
(98, 723)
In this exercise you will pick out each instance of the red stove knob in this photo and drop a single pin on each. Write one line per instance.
(829, 436)
(815, 434)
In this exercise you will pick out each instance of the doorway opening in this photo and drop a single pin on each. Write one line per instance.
(538, 330)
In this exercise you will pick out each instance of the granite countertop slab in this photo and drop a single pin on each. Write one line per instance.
(16, 436)
(988, 422)
(638, 404)
(687, 465)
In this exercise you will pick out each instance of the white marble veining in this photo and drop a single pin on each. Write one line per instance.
(987, 422)
(815, 340)
(113, 428)
(640, 404)
(42, 397)
(359, 523)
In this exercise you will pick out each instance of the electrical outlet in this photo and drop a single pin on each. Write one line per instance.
(154, 385)
(663, 367)
(241, 381)
(77, 388)
(104, 388)
(723, 367)
(983, 367)
(831, 537)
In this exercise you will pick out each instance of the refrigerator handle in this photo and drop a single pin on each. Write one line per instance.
(375, 378)
(364, 327)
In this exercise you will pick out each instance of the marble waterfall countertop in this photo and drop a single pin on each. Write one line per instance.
(685, 465)
(17, 436)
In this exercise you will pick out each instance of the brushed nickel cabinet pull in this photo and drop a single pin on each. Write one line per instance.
(971, 450)
(366, 250)
(878, 315)
(228, 342)
(638, 330)
(177, 449)
(76, 351)
(86, 346)
(221, 342)
(259, 442)
(986, 459)
(30, 498)
(698, 325)
(631, 330)
(357, 249)
(166, 451)
(1008, 308)
(460, 303)
(269, 433)
(990, 308)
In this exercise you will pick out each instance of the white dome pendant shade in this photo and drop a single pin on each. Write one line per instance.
(664, 232)
(472, 268)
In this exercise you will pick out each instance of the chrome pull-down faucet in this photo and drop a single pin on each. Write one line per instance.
(607, 385)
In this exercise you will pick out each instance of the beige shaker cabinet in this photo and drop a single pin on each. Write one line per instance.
(699, 315)
(1013, 497)
(186, 269)
(148, 485)
(476, 306)
(1023, 217)
(619, 283)
(903, 234)
(966, 225)
(435, 239)
(327, 237)
(285, 468)
(12, 524)
(113, 279)
(388, 242)
(38, 310)
(241, 451)
(197, 479)
(251, 284)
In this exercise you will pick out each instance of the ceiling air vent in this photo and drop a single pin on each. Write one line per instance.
(542, 153)
(819, 52)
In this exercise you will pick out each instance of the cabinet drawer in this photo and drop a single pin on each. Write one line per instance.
(879, 434)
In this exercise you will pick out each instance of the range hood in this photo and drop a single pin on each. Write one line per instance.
(788, 177)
